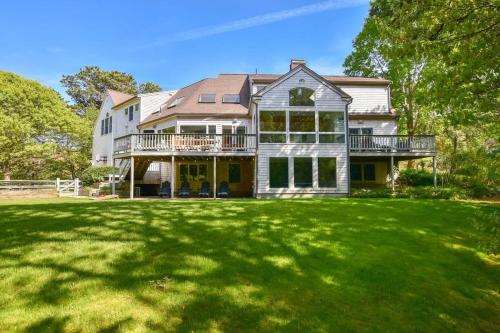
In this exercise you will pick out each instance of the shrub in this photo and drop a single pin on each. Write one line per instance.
(96, 173)
(412, 177)
(418, 192)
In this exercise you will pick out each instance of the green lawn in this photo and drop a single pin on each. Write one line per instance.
(342, 265)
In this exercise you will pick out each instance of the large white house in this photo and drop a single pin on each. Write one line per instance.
(300, 134)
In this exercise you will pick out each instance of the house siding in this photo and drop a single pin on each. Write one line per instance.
(102, 144)
(277, 98)
(368, 99)
(380, 127)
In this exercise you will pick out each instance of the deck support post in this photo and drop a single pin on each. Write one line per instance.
(392, 172)
(434, 176)
(215, 177)
(172, 177)
(113, 188)
(132, 177)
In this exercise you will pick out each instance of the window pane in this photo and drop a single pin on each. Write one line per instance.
(106, 122)
(206, 98)
(203, 172)
(110, 124)
(278, 172)
(169, 130)
(302, 122)
(301, 97)
(303, 138)
(369, 171)
(273, 121)
(193, 172)
(356, 172)
(184, 172)
(331, 138)
(302, 171)
(354, 131)
(230, 98)
(241, 130)
(234, 173)
(367, 131)
(272, 138)
(212, 129)
(327, 171)
(131, 113)
(102, 126)
(331, 121)
(194, 129)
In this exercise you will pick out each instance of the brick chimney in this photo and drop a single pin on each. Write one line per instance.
(295, 62)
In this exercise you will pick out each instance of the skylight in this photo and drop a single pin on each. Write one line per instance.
(231, 98)
(206, 98)
(175, 102)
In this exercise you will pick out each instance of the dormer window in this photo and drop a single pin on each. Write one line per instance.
(206, 98)
(231, 98)
(175, 102)
(301, 96)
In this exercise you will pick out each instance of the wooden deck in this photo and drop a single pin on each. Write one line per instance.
(185, 145)
(392, 145)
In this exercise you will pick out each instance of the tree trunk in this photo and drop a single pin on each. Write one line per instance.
(6, 173)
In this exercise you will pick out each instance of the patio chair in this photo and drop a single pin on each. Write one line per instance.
(223, 190)
(165, 190)
(204, 190)
(185, 190)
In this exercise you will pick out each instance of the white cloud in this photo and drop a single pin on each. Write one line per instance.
(259, 20)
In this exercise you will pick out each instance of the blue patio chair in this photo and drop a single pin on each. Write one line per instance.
(223, 190)
(185, 190)
(204, 190)
(165, 190)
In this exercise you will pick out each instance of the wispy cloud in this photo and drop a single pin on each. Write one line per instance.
(258, 20)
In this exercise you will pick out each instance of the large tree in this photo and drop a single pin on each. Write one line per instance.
(443, 61)
(86, 87)
(35, 123)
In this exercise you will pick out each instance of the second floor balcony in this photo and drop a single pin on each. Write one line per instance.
(196, 144)
(363, 145)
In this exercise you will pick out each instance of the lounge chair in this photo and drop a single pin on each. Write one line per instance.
(185, 190)
(165, 190)
(223, 190)
(204, 190)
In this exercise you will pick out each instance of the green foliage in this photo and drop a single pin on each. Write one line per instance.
(443, 64)
(88, 85)
(95, 174)
(148, 87)
(417, 192)
(413, 177)
(35, 125)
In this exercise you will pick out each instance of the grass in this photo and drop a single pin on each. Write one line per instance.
(344, 265)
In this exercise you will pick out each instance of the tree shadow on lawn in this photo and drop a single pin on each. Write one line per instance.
(288, 265)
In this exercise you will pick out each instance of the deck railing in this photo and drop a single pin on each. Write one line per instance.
(185, 142)
(392, 143)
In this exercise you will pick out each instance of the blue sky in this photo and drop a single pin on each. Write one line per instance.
(174, 43)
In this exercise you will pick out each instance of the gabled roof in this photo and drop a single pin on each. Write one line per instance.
(309, 71)
(335, 79)
(136, 97)
(118, 97)
(188, 97)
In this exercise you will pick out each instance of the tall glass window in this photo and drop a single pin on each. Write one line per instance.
(327, 172)
(272, 125)
(331, 127)
(302, 126)
(302, 172)
(278, 172)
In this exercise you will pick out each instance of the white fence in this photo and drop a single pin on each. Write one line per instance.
(63, 187)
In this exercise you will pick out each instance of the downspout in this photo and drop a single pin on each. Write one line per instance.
(348, 145)
(256, 126)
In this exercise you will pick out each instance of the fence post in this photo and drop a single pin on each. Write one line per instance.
(77, 181)
(58, 184)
